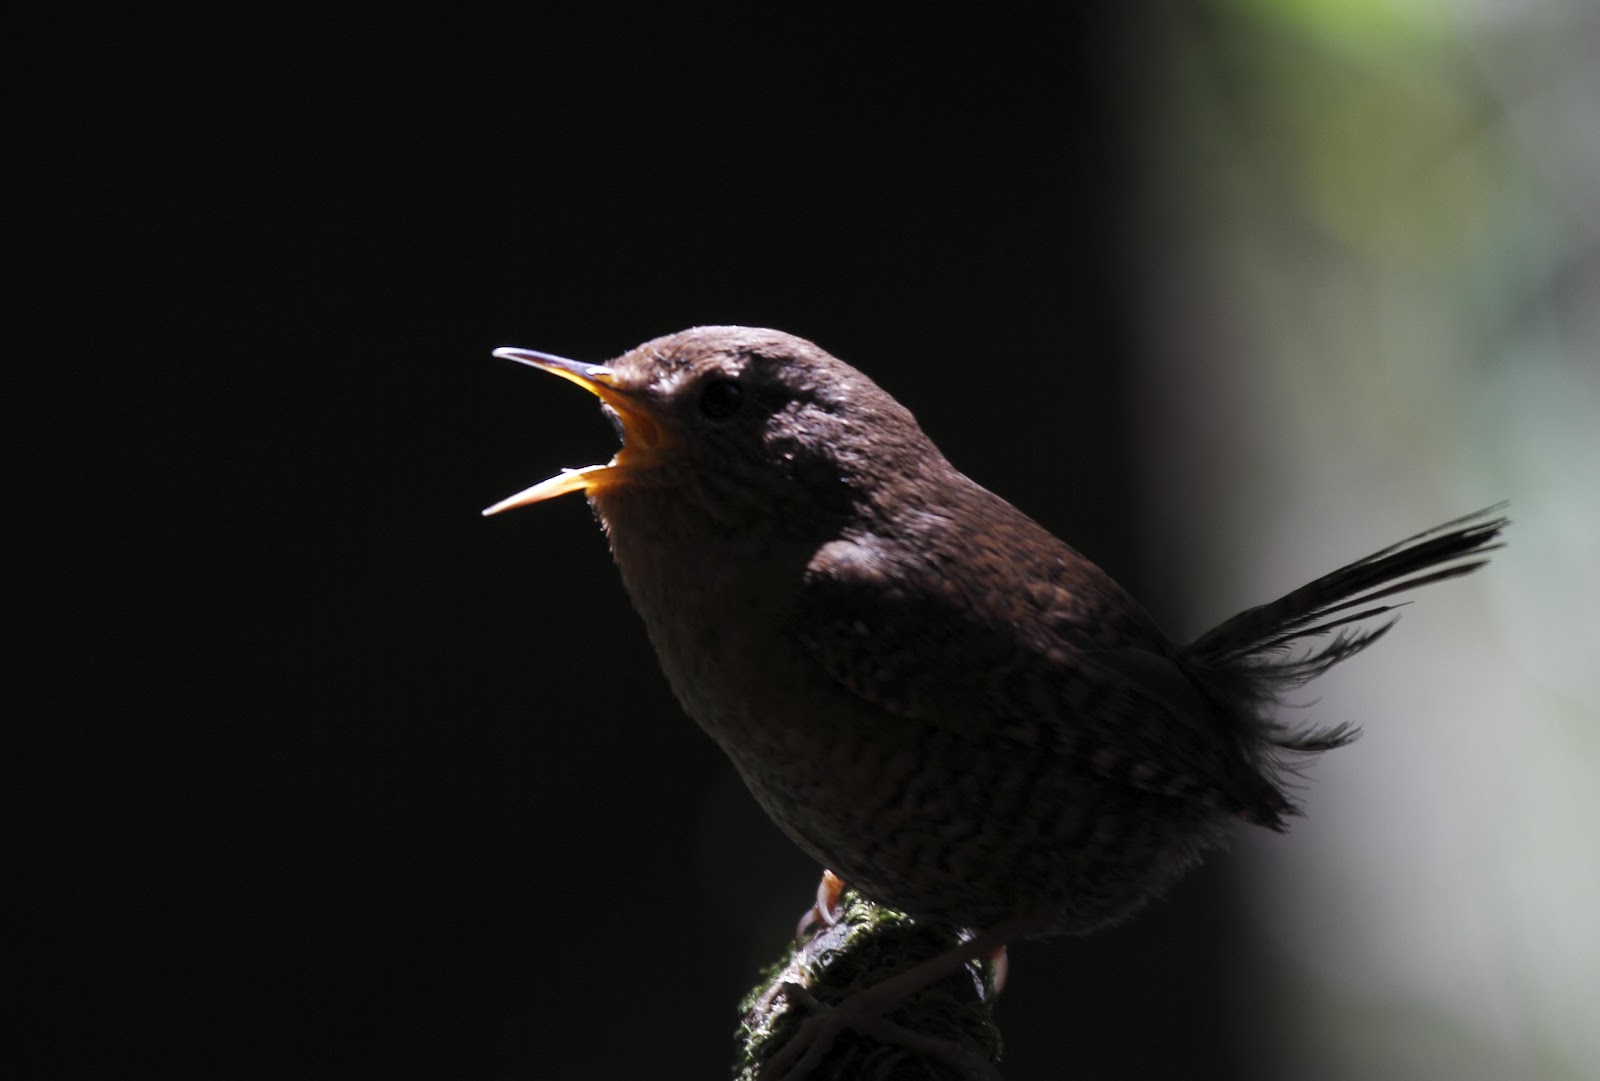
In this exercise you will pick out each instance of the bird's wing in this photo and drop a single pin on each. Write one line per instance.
(926, 646)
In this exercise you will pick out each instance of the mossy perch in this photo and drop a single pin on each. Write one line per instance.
(866, 946)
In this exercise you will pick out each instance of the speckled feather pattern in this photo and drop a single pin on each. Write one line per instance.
(935, 697)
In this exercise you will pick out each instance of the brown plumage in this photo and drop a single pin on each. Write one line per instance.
(931, 694)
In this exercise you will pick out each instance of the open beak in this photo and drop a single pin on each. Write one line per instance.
(641, 436)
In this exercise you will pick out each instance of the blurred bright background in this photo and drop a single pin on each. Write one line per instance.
(1378, 257)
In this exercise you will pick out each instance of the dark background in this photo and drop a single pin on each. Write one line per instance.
(340, 779)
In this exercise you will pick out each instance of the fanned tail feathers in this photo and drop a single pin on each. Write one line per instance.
(1249, 663)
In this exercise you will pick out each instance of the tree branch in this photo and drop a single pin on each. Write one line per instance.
(866, 946)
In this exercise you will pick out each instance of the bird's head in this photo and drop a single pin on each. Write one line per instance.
(738, 415)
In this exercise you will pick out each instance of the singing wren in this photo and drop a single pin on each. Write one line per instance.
(935, 697)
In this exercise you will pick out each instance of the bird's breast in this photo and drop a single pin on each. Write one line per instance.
(717, 601)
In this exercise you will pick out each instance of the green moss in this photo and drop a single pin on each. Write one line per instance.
(868, 945)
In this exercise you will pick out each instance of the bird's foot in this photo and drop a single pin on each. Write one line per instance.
(866, 1012)
(827, 909)
(810, 1044)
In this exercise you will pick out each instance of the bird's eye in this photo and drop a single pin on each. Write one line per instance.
(721, 399)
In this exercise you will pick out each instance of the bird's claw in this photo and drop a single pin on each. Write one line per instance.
(810, 1044)
(826, 911)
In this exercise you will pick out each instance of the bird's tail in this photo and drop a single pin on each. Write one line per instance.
(1249, 663)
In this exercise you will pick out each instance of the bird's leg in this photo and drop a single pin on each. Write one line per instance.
(827, 909)
(866, 1012)
(1001, 968)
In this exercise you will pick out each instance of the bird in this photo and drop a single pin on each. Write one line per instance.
(931, 694)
